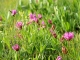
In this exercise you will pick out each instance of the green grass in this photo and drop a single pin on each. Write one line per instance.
(39, 44)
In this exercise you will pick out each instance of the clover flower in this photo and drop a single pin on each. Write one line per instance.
(39, 16)
(59, 58)
(13, 12)
(68, 35)
(33, 17)
(19, 25)
(16, 47)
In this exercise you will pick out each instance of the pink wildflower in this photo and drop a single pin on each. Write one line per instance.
(59, 58)
(13, 12)
(19, 25)
(16, 47)
(68, 35)
(39, 16)
(33, 17)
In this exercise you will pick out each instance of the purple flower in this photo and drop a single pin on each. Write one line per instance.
(68, 35)
(16, 47)
(35, 20)
(19, 25)
(32, 16)
(59, 58)
(39, 16)
(13, 12)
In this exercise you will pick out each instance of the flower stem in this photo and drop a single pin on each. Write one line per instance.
(16, 56)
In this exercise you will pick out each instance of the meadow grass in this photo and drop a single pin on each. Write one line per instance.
(35, 40)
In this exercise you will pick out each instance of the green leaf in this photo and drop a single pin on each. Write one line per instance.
(42, 47)
(1, 46)
(67, 26)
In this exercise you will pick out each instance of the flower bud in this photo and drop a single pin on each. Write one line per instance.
(64, 50)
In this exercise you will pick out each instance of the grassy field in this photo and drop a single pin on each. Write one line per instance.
(39, 30)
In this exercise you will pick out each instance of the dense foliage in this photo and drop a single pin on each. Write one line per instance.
(39, 30)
